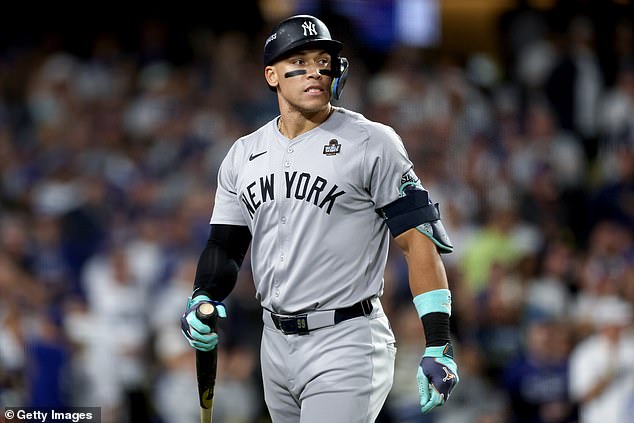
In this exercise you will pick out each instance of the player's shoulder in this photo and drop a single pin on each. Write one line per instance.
(359, 123)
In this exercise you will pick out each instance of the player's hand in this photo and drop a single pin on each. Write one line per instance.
(198, 334)
(437, 376)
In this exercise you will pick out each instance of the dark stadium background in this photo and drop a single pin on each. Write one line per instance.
(147, 189)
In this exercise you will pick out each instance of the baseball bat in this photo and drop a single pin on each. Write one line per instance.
(206, 364)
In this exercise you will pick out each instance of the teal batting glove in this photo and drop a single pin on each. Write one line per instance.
(437, 376)
(198, 334)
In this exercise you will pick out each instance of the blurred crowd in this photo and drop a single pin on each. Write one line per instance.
(107, 174)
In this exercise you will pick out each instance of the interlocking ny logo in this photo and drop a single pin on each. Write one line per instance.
(309, 28)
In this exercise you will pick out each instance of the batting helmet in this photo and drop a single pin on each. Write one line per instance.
(306, 31)
(300, 31)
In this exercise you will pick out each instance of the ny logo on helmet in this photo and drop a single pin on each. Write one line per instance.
(309, 28)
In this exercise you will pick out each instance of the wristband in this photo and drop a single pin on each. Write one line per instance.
(436, 301)
(436, 327)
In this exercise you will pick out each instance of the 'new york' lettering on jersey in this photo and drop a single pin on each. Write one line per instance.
(301, 199)
(303, 187)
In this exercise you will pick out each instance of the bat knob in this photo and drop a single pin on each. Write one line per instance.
(206, 312)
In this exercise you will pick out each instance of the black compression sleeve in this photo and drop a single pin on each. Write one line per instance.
(220, 261)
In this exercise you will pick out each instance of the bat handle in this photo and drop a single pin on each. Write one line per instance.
(206, 364)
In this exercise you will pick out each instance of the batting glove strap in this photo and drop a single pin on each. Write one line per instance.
(198, 334)
(437, 376)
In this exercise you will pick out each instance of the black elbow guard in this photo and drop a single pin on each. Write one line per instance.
(414, 210)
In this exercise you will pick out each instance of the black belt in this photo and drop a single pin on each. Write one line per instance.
(298, 324)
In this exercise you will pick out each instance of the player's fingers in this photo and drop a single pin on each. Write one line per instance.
(204, 338)
(423, 386)
(201, 342)
(222, 311)
(196, 324)
(435, 400)
(203, 347)
(195, 344)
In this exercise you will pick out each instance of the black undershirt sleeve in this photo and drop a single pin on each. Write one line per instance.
(220, 261)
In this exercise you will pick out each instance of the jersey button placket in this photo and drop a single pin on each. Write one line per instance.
(287, 161)
(282, 231)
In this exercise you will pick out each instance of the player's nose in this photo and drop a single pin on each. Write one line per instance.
(313, 71)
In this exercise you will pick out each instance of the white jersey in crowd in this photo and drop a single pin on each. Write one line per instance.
(310, 204)
(590, 361)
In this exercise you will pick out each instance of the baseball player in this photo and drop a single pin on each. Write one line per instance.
(317, 192)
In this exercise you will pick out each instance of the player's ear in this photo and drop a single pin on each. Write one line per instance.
(271, 76)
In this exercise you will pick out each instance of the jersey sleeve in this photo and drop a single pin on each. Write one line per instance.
(227, 209)
(387, 166)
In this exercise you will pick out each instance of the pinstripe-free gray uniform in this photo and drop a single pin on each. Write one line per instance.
(318, 244)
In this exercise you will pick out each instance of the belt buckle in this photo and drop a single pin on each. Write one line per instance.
(298, 324)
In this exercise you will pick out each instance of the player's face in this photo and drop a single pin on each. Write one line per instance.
(299, 82)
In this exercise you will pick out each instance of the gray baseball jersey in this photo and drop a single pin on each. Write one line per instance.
(310, 204)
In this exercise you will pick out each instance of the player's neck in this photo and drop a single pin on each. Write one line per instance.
(295, 123)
